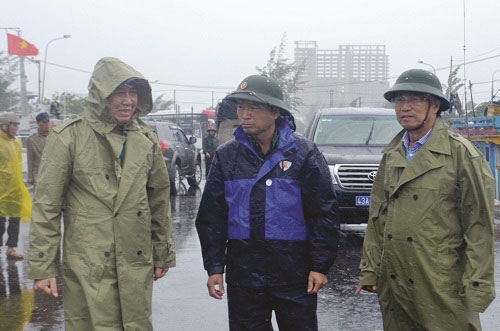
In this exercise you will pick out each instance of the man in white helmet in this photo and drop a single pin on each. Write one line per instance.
(14, 197)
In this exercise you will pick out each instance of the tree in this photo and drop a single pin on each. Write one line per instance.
(287, 75)
(8, 68)
(160, 104)
(73, 103)
(452, 90)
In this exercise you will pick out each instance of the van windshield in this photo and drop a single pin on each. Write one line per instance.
(356, 130)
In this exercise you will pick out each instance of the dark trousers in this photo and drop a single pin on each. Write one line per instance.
(12, 230)
(208, 164)
(250, 309)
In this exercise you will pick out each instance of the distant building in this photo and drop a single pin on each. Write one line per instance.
(351, 75)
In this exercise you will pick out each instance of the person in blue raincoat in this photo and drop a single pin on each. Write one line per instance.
(267, 216)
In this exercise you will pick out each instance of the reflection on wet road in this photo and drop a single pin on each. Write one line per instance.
(180, 300)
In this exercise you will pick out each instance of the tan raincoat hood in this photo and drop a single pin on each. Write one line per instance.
(113, 191)
(108, 74)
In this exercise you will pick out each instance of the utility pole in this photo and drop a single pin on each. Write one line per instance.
(212, 99)
(465, 86)
(471, 99)
(331, 98)
(175, 105)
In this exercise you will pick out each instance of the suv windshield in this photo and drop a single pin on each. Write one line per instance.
(356, 130)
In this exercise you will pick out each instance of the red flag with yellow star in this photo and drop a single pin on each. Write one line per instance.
(19, 46)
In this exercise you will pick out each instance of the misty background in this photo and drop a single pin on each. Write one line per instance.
(205, 48)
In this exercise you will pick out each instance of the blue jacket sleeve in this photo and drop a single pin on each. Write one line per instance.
(320, 206)
(211, 221)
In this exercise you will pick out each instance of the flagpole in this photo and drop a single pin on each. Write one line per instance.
(22, 74)
(465, 84)
(24, 97)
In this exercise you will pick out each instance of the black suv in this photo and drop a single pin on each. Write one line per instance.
(181, 156)
(352, 140)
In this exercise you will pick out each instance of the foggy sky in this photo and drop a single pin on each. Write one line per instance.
(217, 43)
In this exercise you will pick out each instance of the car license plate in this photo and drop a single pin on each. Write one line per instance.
(362, 201)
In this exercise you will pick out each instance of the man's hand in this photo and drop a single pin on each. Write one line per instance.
(215, 286)
(159, 273)
(315, 282)
(207, 154)
(368, 288)
(46, 287)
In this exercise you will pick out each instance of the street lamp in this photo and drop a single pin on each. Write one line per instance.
(427, 64)
(492, 82)
(45, 61)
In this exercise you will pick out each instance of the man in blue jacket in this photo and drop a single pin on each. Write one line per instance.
(267, 216)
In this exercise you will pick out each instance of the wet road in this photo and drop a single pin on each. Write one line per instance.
(180, 300)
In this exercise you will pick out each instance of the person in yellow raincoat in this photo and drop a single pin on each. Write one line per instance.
(428, 251)
(15, 201)
(105, 172)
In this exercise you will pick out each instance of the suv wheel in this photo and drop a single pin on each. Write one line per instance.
(195, 180)
(175, 183)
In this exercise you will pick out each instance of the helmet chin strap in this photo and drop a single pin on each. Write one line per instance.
(421, 125)
(5, 129)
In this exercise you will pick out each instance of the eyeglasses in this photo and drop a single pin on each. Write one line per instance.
(413, 101)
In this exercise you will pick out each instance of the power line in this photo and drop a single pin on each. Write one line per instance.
(178, 90)
(194, 86)
(150, 82)
(392, 77)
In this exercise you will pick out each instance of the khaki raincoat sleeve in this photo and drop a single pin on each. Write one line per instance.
(158, 188)
(477, 210)
(45, 230)
(374, 236)
(30, 154)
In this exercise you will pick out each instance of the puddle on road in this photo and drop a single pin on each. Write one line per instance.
(338, 309)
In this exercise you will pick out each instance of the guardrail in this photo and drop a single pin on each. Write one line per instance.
(477, 126)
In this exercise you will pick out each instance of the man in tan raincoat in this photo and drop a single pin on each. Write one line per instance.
(428, 250)
(35, 145)
(105, 172)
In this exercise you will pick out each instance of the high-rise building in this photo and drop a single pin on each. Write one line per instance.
(351, 75)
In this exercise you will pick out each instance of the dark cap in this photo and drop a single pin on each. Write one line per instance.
(131, 82)
(42, 117)
(211, 129)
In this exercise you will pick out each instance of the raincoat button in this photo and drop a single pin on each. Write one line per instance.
(106, 254)
(139, 213)
(410, 280)
(107, 176)
(393, 276)
(139, 252)
(410, 239)
(363, 264)
(415, 197)
(389, 236)
(475, 284)
(40, 254)
(269, 182)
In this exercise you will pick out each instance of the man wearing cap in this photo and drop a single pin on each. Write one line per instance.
(210, 144)
(15, 201)
(35, 145)
(428, 249)
(267, 216)
(105, 171)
